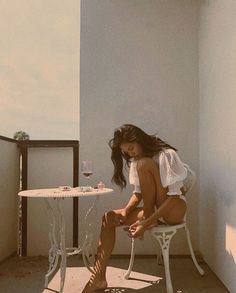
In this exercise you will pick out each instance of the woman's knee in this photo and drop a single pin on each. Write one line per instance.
(146, 164)
(109, 218)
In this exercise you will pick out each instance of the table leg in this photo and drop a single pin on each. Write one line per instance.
(57, 219)
(62, 244)
(88, 253)
(53, 255)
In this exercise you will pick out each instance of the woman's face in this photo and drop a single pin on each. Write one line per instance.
(133, 149)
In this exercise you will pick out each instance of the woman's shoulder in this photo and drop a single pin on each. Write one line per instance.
(169, 156)
(172, 169)
(166, 152)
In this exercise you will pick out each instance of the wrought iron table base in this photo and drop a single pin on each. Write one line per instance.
(58, 226)
(58, 248)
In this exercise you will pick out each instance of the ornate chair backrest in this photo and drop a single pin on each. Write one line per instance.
(189, 181)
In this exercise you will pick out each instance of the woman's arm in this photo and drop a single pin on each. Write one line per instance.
(130, 206)
(138, 228)
(167, 206)
(133, 202)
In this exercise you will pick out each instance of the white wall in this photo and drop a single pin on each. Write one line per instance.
(47, 168)
(9, 184)
(39, 61)
(139, 64)
(217, 41)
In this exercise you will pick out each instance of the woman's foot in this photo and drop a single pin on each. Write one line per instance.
(95, 283)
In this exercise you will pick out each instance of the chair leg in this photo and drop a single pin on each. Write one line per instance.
(131, 262)
(169, 287)
(200, 270)
(164, 239)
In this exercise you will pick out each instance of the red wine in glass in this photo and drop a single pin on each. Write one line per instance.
(87, 168)
(87, 174)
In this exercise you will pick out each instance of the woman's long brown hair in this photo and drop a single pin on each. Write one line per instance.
(127, 133)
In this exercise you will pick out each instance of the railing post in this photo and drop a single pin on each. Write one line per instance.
(75, 199)
(24, 154)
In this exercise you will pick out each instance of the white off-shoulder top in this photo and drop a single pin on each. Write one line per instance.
(172, 172)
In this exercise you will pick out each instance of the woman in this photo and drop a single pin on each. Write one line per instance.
(157, 174)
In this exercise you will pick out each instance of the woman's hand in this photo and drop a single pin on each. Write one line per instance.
(137, 229)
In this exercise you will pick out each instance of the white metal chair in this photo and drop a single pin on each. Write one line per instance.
(164, 233)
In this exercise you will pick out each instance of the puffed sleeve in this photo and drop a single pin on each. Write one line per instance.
(172, 171)
(133, 177)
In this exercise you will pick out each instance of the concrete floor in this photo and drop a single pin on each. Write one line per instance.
(26, 275)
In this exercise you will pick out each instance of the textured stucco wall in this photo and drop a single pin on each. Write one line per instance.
(9, 184)
(139, 64)
(217, 40)
(47, 168)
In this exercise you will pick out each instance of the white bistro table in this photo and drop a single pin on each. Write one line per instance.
(57, 223)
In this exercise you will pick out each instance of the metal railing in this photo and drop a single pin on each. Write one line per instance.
(24, 146)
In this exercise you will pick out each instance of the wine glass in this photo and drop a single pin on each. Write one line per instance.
(87, 168)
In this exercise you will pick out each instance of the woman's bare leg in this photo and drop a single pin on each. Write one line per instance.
(147, 171)
(105, 246)
(149, 178)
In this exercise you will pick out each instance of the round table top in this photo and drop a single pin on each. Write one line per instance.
(58, 192)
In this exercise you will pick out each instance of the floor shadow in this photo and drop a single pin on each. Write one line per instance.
(147, 289)
(127, 290)
(146, 281)
(52, 290)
